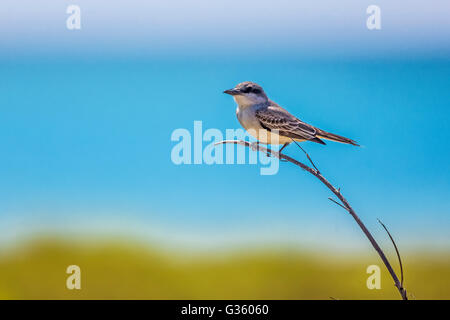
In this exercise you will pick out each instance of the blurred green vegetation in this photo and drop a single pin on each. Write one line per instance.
(113, 269)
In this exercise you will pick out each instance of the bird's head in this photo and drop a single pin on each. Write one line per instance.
(247, 94)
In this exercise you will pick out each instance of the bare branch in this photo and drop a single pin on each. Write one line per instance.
(338, 194)
(396, 250)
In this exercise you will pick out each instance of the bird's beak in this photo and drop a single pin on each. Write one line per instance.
(232, 92)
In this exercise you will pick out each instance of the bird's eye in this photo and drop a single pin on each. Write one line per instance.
(257, 91)
(246, 90)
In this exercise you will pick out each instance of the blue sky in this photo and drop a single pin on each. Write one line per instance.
(86, 118)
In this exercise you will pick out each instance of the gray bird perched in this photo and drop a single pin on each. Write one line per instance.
(262, 117)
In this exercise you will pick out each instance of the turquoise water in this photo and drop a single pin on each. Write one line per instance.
(86, 144)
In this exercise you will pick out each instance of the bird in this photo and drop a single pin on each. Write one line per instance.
(270, 123)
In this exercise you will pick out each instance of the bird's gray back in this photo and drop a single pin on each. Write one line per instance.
(274, 117)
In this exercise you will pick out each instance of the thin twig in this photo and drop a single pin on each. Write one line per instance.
(338, 194)
(307, 155)
(396, 250)
(337, 203)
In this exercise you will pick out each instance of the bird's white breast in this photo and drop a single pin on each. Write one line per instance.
(247, 118)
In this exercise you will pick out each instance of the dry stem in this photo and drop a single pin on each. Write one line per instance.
(344, 203)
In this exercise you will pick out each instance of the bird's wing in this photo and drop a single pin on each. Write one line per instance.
(275, 117)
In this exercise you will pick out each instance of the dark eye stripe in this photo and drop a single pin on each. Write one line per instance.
(257, 91)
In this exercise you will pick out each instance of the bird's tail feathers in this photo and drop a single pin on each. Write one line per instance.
(334, 137)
